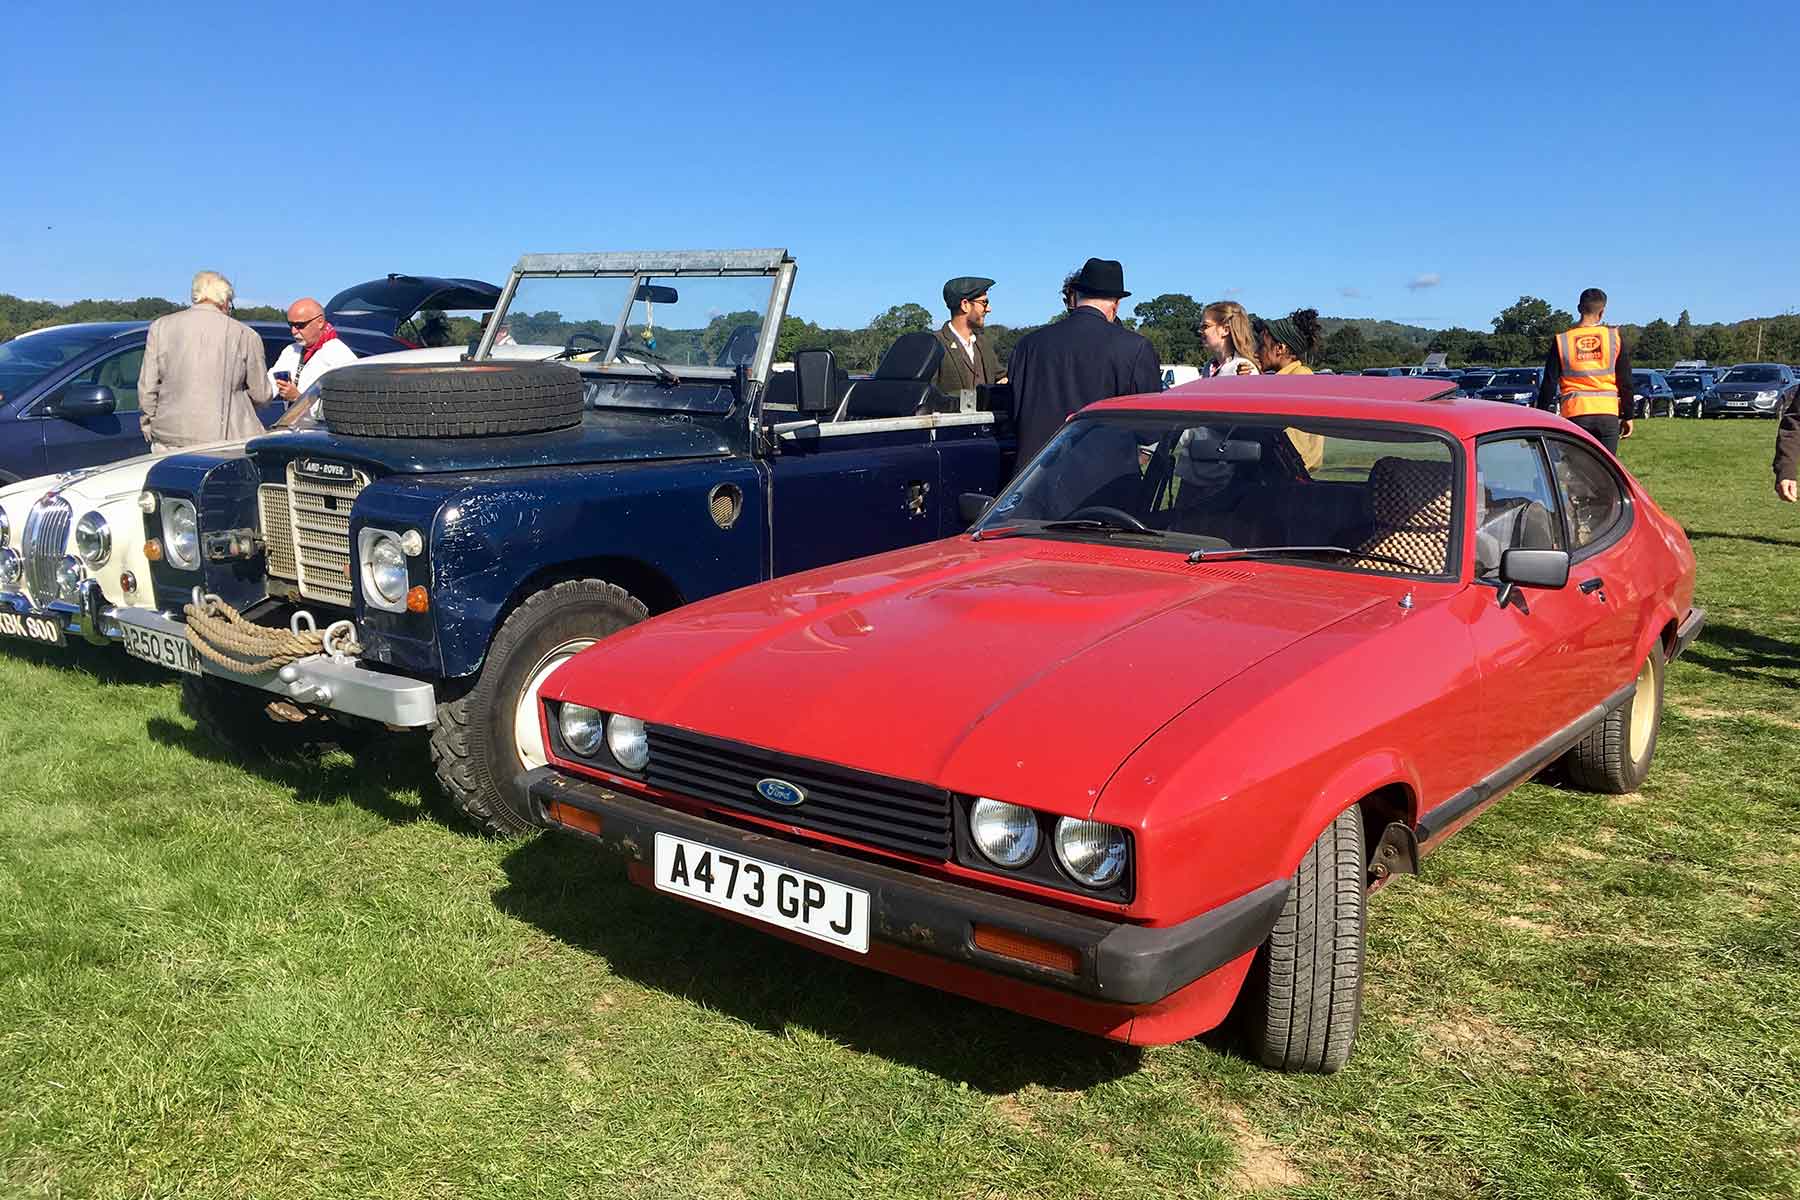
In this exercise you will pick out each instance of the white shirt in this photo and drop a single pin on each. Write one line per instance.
(968, 347)
(1229, 367)
(332, 354)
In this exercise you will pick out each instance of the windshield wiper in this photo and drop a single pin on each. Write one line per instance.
(1099, 526)
(1230, 552)
(643, 358)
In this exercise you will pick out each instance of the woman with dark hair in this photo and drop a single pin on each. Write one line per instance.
(1284, 344)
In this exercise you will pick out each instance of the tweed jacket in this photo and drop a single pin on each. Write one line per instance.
(957, 372)
(203, 374)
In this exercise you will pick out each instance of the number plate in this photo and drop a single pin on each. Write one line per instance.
(774, 895)
(33, 627)
(163, 649)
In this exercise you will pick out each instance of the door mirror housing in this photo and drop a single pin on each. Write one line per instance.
(1535, 568)
(815, 380)
(83, 400)
(970, 505)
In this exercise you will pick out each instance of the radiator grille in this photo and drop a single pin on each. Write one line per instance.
(321, 524)
(278, 530)
(895, 814)
(46, 542)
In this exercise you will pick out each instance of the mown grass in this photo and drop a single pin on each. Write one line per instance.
(222, 979)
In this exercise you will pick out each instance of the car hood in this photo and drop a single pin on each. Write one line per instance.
(1025, 670)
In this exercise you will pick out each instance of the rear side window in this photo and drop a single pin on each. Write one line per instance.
(1590, 492)
(1516, 505)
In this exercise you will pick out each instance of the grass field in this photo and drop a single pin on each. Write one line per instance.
(221, 979)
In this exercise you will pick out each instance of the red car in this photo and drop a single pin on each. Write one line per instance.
(1135, 749)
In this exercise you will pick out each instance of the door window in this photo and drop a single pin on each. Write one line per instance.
(1590, 492)
(120, 373)
(1516, 506)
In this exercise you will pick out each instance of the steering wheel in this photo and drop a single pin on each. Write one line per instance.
(570, 346)
(1106, 510)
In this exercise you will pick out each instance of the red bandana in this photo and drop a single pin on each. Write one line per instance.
(307, 352)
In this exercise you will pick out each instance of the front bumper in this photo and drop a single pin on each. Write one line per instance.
(90, 618)
(321, 681)
(1120, 963)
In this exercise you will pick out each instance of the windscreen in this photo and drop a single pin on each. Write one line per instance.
(1753, 375)
(27, 359)
(1515, 379)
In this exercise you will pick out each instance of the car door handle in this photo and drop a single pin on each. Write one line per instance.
(1592, 585)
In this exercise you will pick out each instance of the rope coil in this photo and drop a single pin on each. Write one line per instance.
(220, 634)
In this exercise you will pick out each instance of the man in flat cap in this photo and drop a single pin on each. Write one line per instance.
(1084, 357)
(969, 360)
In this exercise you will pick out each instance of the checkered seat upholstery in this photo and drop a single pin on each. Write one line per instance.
(1410, 501)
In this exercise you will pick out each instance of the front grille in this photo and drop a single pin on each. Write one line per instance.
(894, 814)
(278, 530)
(46, 542)
(321, 523)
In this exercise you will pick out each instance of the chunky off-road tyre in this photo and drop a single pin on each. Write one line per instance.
(236, 716)
(451, 399)
(1303, 997)
(1614, 758)
(488, 733)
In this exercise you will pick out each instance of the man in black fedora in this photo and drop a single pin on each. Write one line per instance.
(1084, 357)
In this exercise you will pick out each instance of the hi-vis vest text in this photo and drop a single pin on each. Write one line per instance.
(1590, 359)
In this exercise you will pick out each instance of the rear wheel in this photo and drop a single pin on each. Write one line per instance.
(1614, 758)
(1303, 998)
(488, 733)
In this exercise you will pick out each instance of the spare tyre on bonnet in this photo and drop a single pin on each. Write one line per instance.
(451, 399)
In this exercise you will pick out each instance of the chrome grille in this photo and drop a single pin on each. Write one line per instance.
(321, 525)
(46, 542)
(278, 530)
(896, 814)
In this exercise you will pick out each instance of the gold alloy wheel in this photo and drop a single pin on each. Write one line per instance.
(1643, 711)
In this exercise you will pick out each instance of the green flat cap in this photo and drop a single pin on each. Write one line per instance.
(964, 287)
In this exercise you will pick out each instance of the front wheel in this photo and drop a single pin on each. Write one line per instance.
(1302, 1000)
(238, 716)
(1614, 758)
(486, 734)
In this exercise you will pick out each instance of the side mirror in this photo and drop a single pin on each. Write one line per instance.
(1534, 569)
(815, 380)
(970, 505)
(79, 401)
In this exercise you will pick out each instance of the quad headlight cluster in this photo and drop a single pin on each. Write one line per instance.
(590, 733)
(1092, 853)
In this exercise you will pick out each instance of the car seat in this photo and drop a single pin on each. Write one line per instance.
(1409, 500)
(902, 383)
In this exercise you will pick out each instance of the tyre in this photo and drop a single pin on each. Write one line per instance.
(1303, 997)
(1614, 758)
(237, 716)
(488, 733)
(451, 399)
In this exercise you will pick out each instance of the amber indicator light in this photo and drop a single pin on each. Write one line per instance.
(153, 550)
(418, 600)
(1024, 948)
(574, 818)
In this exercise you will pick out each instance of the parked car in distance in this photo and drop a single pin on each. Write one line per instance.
(1178, 374)
(1472, 381)
(401, 306)
(1652, 395)
(1098, 760)
(1514, 385)
(1390, 372)
(1751, 390)
(1689, 387)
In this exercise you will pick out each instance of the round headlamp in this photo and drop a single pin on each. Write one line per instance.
(1007, 834)
(93, 540)
(629, 743)
(12, 570)
(1092, 852)
(583, 728)
(69, 576)
(387, 569)
(181, 534)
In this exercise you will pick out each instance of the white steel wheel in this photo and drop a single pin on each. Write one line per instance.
(528, 729)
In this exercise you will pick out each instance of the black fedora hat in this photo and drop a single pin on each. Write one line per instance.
(1102, 278)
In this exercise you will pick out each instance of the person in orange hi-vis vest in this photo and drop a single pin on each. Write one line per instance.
(1587, 374)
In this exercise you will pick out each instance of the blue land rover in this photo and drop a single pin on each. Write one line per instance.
(618, 444)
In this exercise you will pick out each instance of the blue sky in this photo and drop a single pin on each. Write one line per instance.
(1423, 163)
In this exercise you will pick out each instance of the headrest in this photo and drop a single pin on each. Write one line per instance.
(913, 357)
(1407, 493)
(740, 347)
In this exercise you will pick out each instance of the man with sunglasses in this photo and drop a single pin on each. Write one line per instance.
(317, 349)
(969, 361)
(202, 374)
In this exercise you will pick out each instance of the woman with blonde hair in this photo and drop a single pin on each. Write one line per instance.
(1225, 328)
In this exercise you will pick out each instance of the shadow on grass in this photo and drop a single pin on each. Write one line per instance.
(377, 776)
(1697, 535)
(580, 895)
(1746, 654)
(106, 664)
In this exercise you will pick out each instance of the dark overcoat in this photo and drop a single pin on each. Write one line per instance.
(1068, 365)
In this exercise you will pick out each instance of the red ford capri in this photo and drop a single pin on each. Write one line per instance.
(1135, 750)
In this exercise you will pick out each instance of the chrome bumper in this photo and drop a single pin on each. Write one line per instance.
(320, 681)
(91, 618)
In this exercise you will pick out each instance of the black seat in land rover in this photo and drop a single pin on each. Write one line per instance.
(902, 385)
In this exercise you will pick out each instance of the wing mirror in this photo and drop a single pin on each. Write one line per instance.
(970, 506)
(1532, 569)
(84, 401)
(815, 380)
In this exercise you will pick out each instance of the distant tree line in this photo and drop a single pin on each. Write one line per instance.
(1520, 335)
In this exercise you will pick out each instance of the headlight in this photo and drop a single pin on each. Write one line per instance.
(5, 528)
(12, 571)
(181, 535)
(1006, 833)
(1091, 851)
(583, 728)
(387, 569)
(93, 540)
(69, 576)
(629, 744)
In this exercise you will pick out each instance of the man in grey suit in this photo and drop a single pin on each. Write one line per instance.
(203, 373)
